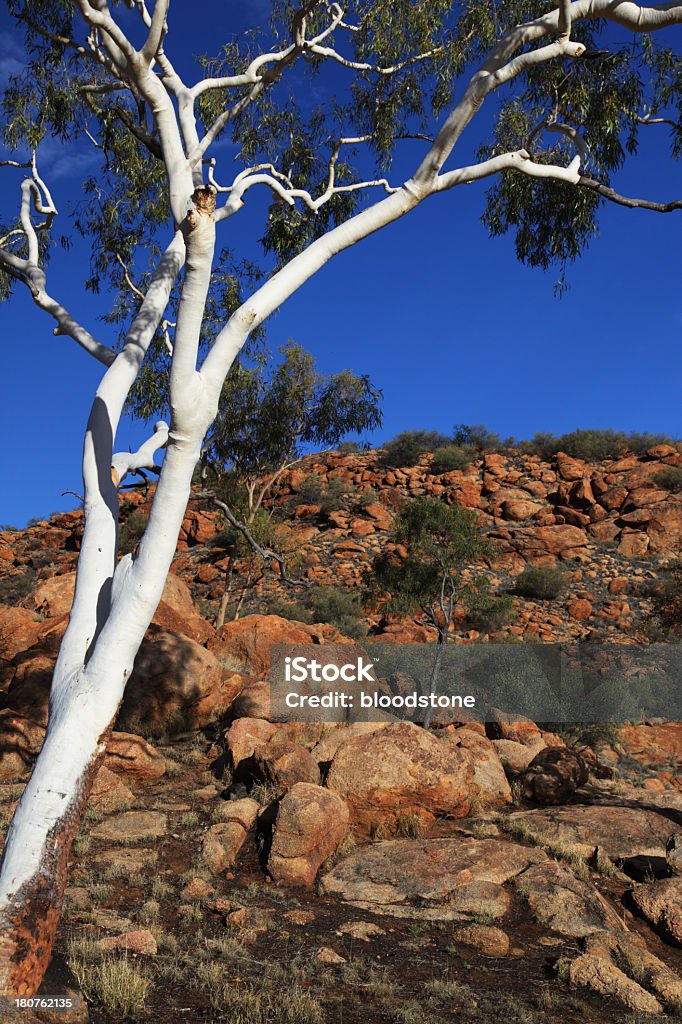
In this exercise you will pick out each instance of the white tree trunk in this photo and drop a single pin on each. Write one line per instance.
(113, 607)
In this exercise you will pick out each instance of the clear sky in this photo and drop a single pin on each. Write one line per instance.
(441, 317)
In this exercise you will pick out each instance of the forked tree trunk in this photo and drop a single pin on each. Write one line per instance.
(113, 607)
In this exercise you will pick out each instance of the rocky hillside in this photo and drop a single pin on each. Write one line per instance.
(372, 871)
(610, 525)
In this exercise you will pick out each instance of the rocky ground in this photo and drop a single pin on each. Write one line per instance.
(232, 869)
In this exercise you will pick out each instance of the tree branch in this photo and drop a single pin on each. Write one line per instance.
(34, 191)
(265, 553)
(331, 54)
(157, 30)
(132, 462)
(629, 201)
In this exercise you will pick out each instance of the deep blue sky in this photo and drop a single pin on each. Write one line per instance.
(441, 317)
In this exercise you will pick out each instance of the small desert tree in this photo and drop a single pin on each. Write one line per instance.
(103, 77)
(441, 540)
(268, 417)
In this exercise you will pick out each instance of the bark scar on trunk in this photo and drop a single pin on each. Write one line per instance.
(28, 924)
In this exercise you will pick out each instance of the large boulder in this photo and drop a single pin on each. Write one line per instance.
(109, 793)
(132, 826)
(336, 733)
(565, 903)
(602, 976)
(553, 776)
(661, 904)
(400, 770)
(19, 629)
(31, 672)
(176, 685)
(276, 754)
(54, 597)
(515, 757)
(244, 736)
(244, 645)
(431, 879)
(655, 746)
(282, 766)
(311, 822)
(490, 783)
(504, 725)
(541, 542)
(620, 832)
(629, 950)
(127, 755)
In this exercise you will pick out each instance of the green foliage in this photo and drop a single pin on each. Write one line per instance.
(262, 529)
(449, 458)
(468, 441)
(65, 96)
(340, 609)
(293, 611)
(599, 98)
(670, 479)
(440, 540)
(405, 448)
(476, 437)
(592, 445)
(14, 587)
(331, 495)
(269, 414)
(540, 583)
(131, 530)
(351, 447)
(487, 612)
(665, 621)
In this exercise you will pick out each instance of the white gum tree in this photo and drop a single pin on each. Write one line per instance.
(102, 76)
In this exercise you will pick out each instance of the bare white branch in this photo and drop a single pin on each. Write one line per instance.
(36, 195)
(564, 20)
(392, 69)
(130, 462)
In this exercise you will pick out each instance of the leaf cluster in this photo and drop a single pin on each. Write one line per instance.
(440, 541)
(269, 414)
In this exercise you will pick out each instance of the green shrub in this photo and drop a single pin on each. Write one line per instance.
(130, 532)
(591, 445)
(664, 623)
(405, 448)
(332, 496)
(540, 583)
(485, 611)
(340, 609)
(350, 447)
(476, 436)
(294, 611)
(451, 457)
(15, 587)
(669, 478)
